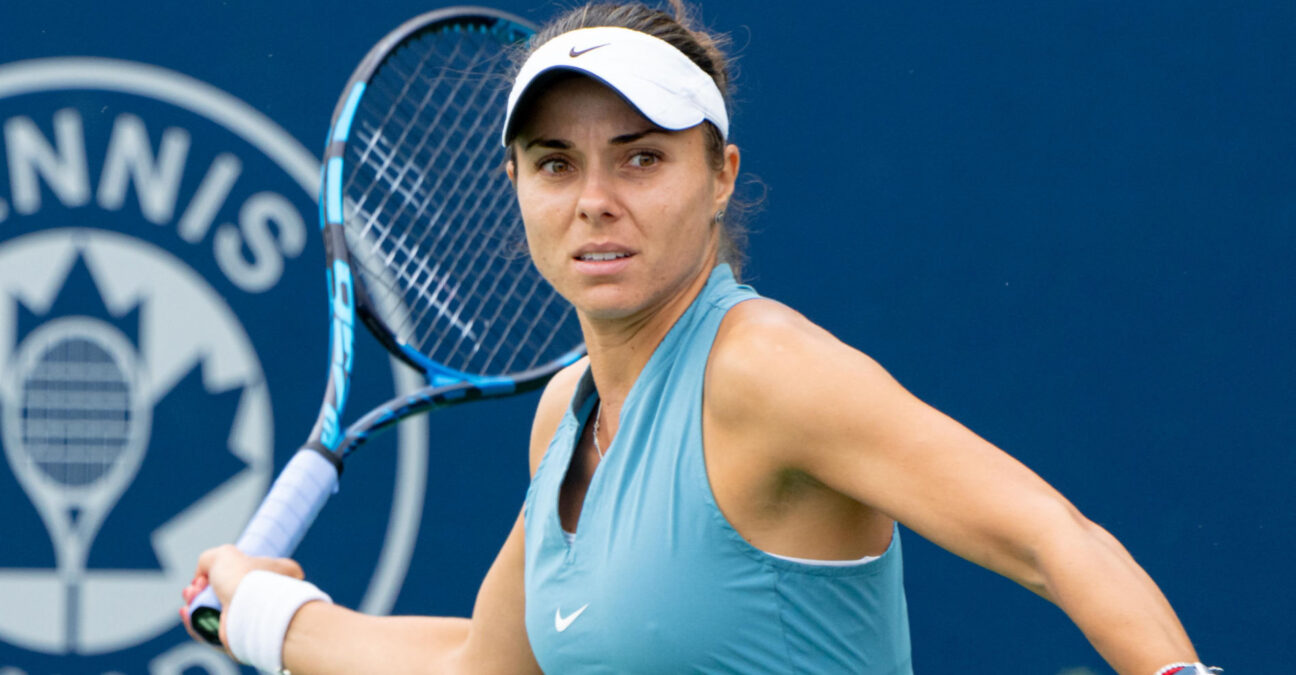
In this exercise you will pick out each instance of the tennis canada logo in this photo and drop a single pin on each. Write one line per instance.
(154, 357)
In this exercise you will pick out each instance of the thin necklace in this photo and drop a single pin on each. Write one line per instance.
(598, 416)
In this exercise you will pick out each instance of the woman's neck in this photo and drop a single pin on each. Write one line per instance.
(620, 348)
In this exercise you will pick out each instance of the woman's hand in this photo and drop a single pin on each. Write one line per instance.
(223, 568)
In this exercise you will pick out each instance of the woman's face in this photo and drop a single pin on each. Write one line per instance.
(619, 213)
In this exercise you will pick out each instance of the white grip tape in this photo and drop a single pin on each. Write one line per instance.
(294, 500)
(285, 514)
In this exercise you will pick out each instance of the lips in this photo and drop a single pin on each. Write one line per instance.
(602, 252)
(602, 259)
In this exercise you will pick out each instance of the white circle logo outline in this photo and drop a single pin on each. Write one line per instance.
(222, 108)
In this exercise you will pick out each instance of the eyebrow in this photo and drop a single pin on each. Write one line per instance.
(631, 138)
(548, 143)
(623, 139)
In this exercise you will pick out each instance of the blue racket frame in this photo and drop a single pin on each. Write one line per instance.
(311, 475)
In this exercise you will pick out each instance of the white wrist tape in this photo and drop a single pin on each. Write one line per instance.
(259, 613)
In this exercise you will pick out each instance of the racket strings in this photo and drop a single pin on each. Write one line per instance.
(439, 187)
(533, 327)
(405, 276)
(431, 219)
(470, 257)
(395, 184)
(455, 264)
(462, 208)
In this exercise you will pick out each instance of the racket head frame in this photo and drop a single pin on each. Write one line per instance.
(350, 300)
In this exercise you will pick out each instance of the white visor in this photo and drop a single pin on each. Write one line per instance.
(662, 83)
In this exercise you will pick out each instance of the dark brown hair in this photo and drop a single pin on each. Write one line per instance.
(703, 48)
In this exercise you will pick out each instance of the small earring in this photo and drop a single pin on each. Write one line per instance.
(719, 216)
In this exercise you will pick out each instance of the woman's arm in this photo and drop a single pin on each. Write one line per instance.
(330, 639)
(822, 408)
(324, 638)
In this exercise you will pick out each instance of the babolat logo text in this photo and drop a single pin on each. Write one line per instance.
(160, 359)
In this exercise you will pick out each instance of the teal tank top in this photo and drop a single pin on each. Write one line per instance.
(656, 580)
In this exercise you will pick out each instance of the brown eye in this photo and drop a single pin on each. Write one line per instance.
(554, 165)
(643, 160)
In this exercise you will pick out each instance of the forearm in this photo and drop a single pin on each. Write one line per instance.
(1091, 576)
(325, 639)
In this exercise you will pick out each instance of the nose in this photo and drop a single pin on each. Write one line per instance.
(597, 204)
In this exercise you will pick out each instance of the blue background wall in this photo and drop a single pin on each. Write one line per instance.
(1072, 226)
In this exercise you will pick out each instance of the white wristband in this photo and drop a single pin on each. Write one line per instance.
(259, 613)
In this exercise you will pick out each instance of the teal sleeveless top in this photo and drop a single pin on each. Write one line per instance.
(656, 580)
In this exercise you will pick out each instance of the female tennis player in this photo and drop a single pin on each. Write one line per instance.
(716, 487)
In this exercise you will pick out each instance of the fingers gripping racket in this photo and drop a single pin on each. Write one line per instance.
(425, 247)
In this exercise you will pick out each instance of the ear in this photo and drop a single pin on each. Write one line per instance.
(510, 170)
(727, 176)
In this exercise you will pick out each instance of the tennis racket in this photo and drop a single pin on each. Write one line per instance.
(425, 247)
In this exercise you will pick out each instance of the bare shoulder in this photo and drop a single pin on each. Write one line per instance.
(764, 347)
(772, 371)
(553, 404)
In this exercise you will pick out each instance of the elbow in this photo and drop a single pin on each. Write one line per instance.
(1063, 542)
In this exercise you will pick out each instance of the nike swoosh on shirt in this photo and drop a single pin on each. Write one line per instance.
(573, 52)
(561, 622)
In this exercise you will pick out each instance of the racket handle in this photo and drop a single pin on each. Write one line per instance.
(276, 528)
